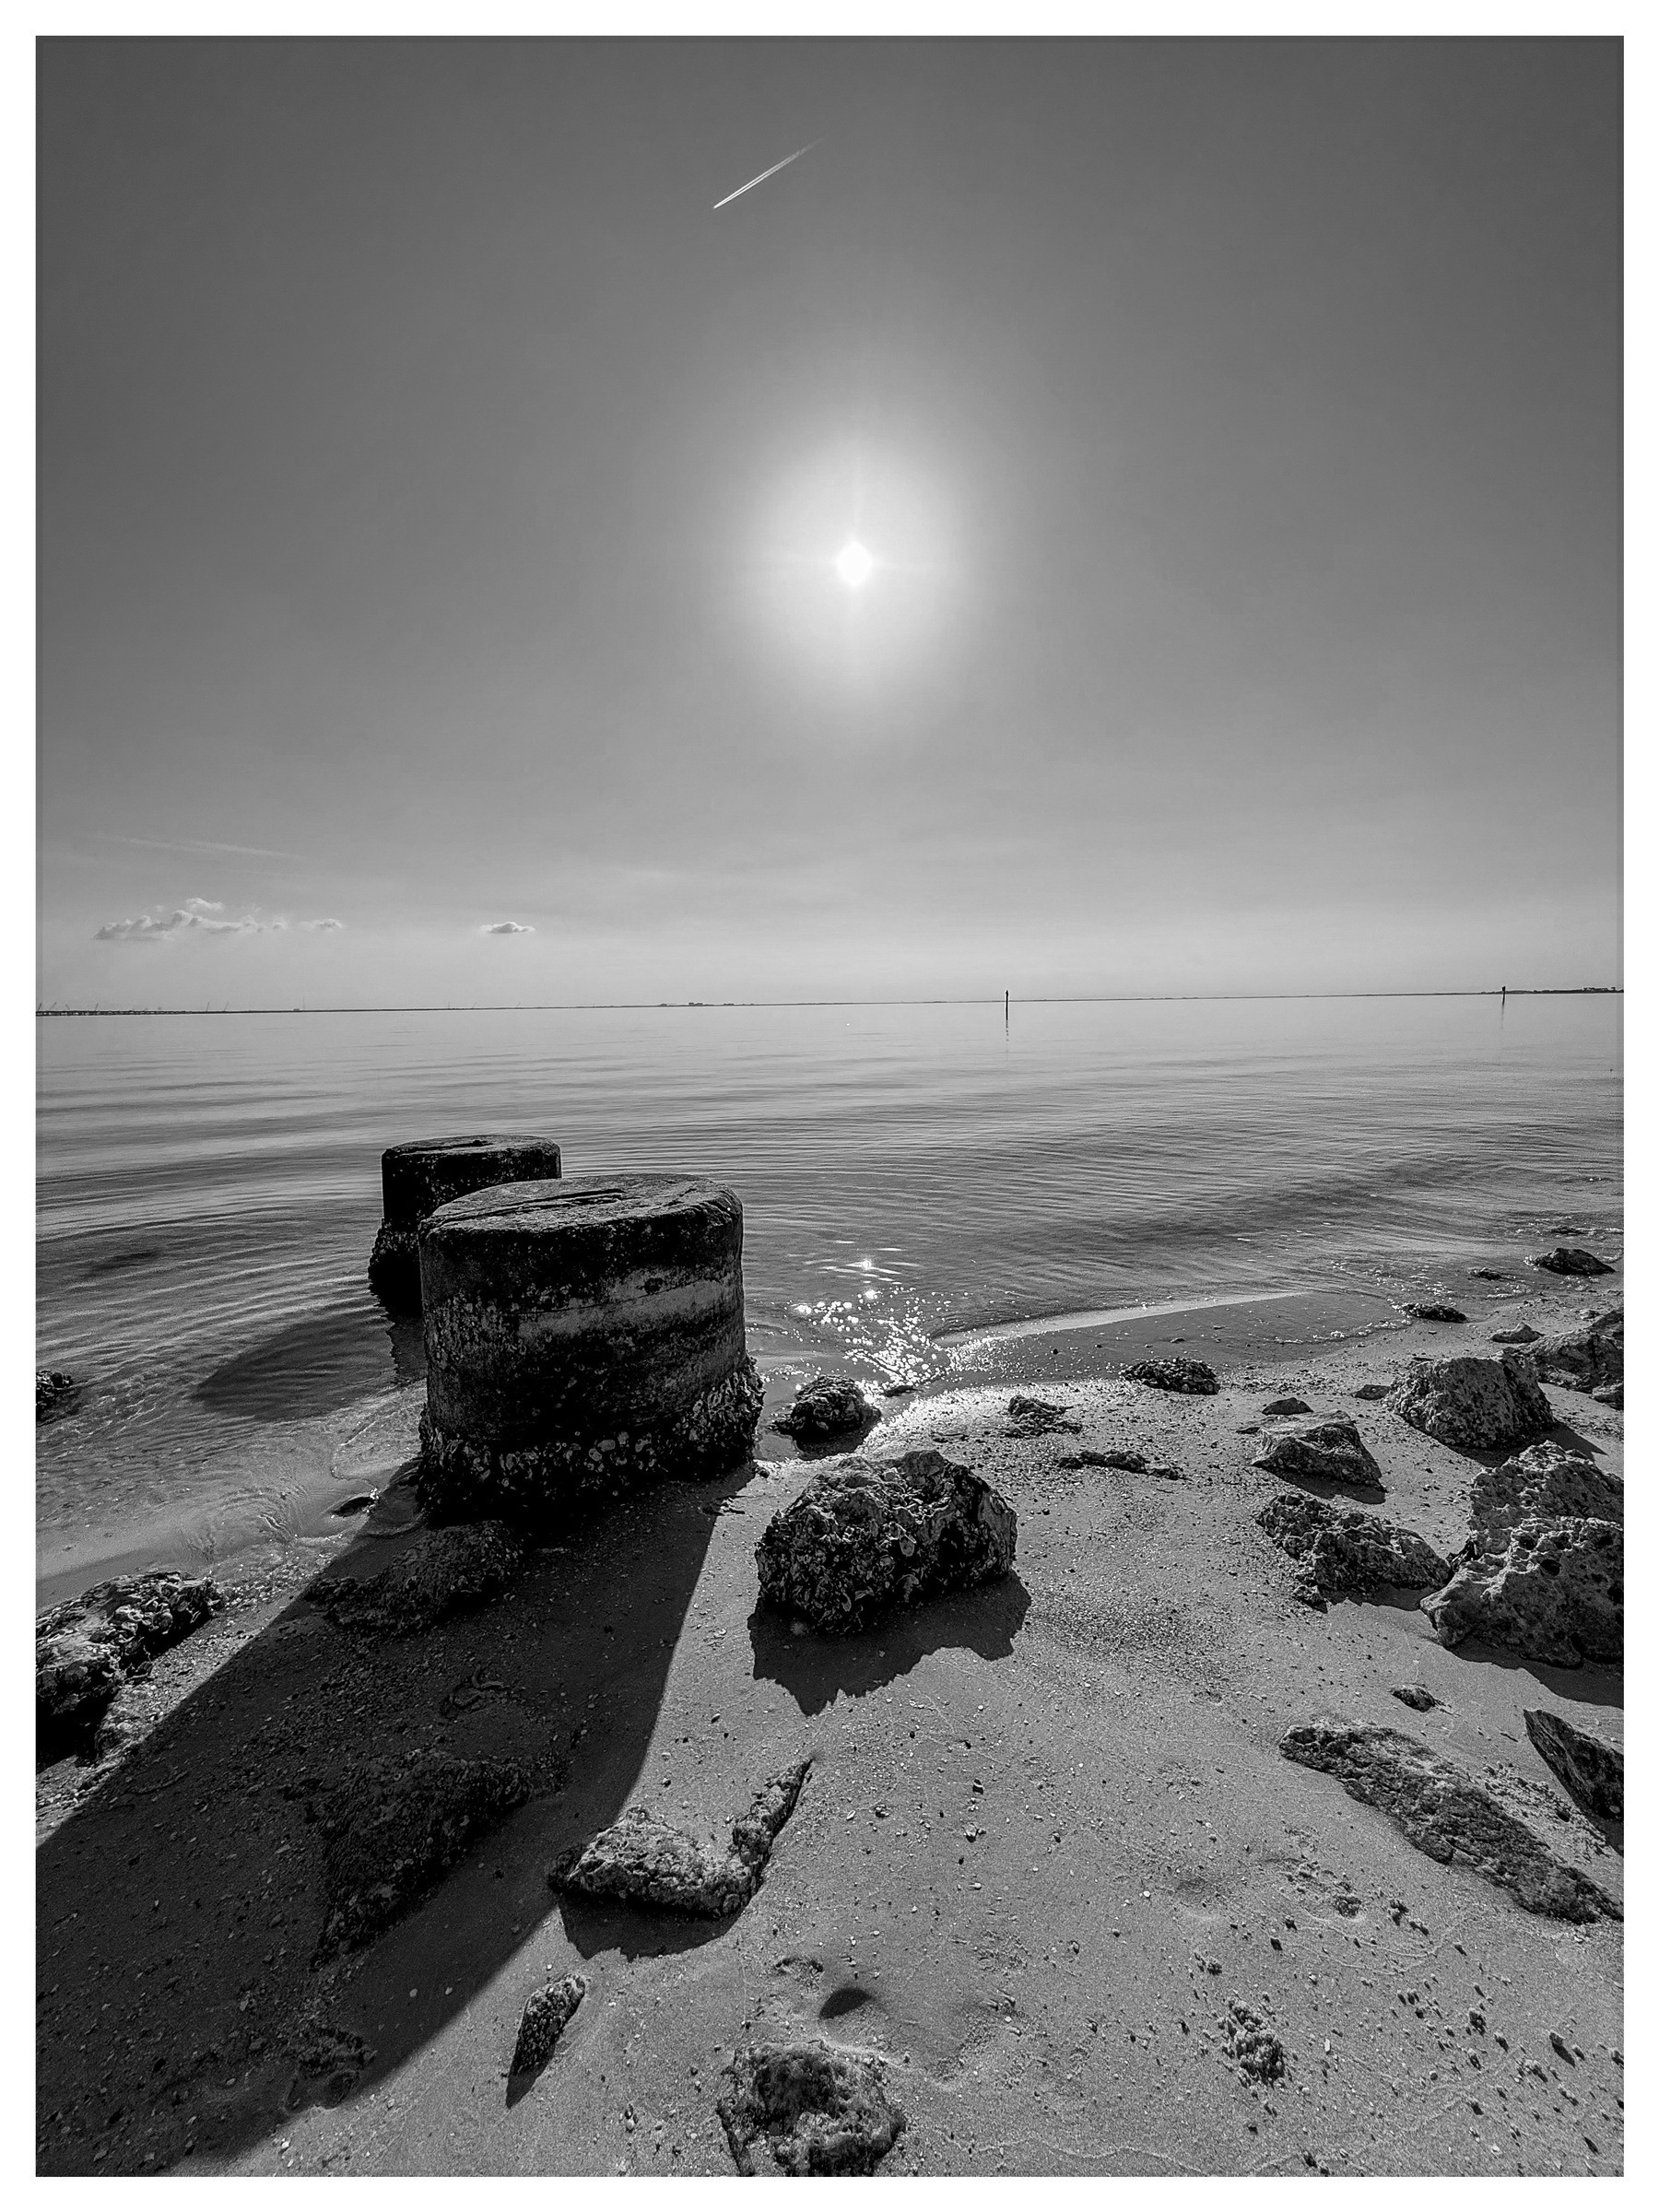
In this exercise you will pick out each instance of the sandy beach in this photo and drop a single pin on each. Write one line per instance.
(1046, 1839)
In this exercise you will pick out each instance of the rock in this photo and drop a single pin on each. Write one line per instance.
(1587, 1359)
(1523, 1333)
(809, 2108)
(1611, 1394)
(1327, 1446)
(1127, 1463)
(647, 1862)
(1372, 1390)
(1434, 1313)
(1346, 1553)
(87, 1647)
(1252, 2045)
(1542, 1571)
(1276, 1407)
(395, 1826)
(866, 1536)
(1189, 1376)
(828, 1406)
(900, 1390)
(582, 1339)
(547, 2016)
(416, 1178)
(444, 1571)
(1487, 1274)
(1417, 1697)
(1447, 1815)
(328, 2056)
(53, 1387)
(1474, 1404)
(1036, 1416)
(1570, 1259)
(1590, 1772)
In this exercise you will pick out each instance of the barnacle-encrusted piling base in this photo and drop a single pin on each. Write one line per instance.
(538, 1485)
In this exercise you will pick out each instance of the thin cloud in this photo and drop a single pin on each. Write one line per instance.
(192, 844)
(508, 929)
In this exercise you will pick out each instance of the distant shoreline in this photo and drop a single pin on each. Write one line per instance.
(664, 1005)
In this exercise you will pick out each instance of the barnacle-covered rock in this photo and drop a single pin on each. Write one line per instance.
(1542, 1571)
(865, 1536)
(809, 2108)
(1447, 1814)
(646, 1861)
(1474, 1404)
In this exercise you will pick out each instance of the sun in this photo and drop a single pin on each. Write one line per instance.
(854, 564)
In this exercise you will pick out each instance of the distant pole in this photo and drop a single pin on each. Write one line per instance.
(1503, 995)
(1005, 1009)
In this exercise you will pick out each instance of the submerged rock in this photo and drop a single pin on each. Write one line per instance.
(809, 2108)
(1345, 1553)
(1036, 1416)
(1522, 1333)
(547, 2016)
(1487, 1274)
(1434, 1313)
(649, 1862)
(53, 1387)
(1326, 1446)
(1588, 1359)
(86, 1648)
(865, 1536)
(1276, 1407)
(1189, 1376)
(828, 1406)
(1590, 1772)
(1447, 1815)
(1570, 1259)
(1474, 1404)
(444, 1571)
(395, 1826)
(1415, 1696)
(1542, 1571)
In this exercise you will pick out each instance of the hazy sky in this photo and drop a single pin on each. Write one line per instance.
(439, 505)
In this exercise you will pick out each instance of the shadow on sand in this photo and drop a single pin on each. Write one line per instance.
(180, 1904)
(816, 1670)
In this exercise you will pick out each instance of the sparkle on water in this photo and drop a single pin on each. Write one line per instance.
(854, 564)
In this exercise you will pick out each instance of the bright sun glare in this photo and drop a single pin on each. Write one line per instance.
(854, 565)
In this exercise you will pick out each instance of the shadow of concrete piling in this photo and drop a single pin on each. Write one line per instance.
(180, 1905)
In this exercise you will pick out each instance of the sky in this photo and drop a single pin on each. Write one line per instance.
(440, 504)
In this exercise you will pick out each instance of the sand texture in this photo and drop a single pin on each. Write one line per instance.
(1052, 1900)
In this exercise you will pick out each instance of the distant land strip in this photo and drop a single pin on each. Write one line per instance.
(649, 1006)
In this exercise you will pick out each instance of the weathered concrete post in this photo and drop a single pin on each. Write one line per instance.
(581, 1339)
(416, 1179)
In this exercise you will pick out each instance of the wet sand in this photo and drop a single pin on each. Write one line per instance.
(1041, 1818)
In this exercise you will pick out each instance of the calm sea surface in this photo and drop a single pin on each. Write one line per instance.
(209, 1192)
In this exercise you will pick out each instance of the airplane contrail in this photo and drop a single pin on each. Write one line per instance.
(762, 177)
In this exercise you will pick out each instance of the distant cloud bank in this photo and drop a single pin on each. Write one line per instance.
(508, 929)
(208, 917)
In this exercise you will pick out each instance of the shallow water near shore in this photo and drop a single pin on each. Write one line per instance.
(918, 1181)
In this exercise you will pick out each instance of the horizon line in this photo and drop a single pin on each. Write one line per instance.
(715, 1006)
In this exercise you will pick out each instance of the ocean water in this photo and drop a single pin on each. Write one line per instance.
(913, 1176)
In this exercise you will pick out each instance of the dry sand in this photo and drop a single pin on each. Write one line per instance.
(1047, 1837)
